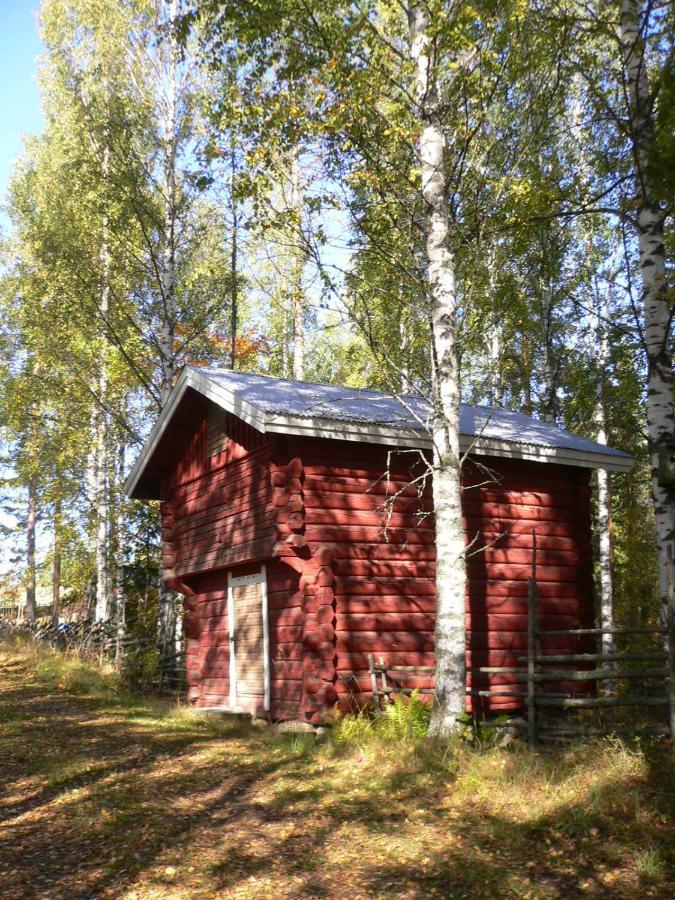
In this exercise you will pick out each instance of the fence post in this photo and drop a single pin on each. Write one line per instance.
(373, 683)
(532, 647)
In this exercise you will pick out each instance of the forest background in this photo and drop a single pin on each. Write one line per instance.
(244, 185)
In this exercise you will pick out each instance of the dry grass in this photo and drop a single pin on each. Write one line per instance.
(110, 795)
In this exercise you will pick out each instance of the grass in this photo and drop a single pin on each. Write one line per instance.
(107, 794)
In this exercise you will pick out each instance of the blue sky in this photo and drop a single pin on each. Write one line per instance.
(19, 100)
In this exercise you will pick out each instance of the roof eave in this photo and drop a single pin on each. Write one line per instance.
(537, 453)
(353, 431)
(410, 437)
(189, 378)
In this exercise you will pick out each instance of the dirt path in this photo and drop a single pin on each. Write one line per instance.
(108, 798)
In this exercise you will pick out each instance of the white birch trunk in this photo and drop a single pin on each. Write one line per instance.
(90, 482)
(169, 113)
(657, 322)
(297, 266)
(31, 526)
(604, 494)
(404, 369)
(549, 406)
(102, 609)
(234, 263)
(285, 354)
(493, 342)
(118, 543)
(102, 460)
(56, 565)
(598, 354)
(494, 355)
(166, 618)
(450, 545)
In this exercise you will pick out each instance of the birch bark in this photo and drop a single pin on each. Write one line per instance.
(297, 265)
(31, 525)
(493, 345)
(166, 619)
(450, 564)
(118, 549)
(493, 342)
(404, 368)
(56, 565)
(598, 356)
(549, 405)
(234, 264)
(102, 608)
(102, 457)
(656, 312)
(169, 115)
(604, 496)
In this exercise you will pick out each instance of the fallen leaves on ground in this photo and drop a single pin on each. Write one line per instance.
(128, 798)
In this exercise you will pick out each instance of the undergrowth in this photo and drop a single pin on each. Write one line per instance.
(70, 673)
(371, 808)
(68, 670)
(403, 720)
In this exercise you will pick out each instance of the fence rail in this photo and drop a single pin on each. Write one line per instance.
(595, 686)
(104, 641)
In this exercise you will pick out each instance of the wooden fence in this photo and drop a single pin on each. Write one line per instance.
(103, 641)
(637, 695)
(572, 694)
(638, 684)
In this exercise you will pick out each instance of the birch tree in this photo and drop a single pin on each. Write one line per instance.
(56, 561)
(281, 233)
(450, 564)
(403, 109)
(170, 133)
(295, 286)
(31, 529)
(651, 214)
(599, 362)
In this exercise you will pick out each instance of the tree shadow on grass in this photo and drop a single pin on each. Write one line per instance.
(481, 855)
(69, 730)
(251, 808)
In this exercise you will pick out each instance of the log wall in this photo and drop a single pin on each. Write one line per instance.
(384, 578)
(232, 513)
(351, 567)
(218, 514)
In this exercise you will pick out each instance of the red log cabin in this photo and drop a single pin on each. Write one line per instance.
(298, 525)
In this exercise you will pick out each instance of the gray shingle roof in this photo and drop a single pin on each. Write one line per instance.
(283, 397)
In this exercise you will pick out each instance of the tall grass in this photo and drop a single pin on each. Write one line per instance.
(69, 672)
(61, 670)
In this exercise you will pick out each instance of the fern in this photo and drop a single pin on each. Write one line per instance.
(403, 720)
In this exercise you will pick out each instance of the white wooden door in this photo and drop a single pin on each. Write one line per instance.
(249, 641)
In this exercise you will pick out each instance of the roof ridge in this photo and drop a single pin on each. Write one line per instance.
(371, 390)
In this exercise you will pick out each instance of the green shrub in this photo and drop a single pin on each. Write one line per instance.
(354, 729)
(405, 719)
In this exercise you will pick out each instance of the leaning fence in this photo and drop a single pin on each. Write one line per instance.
(159, 672)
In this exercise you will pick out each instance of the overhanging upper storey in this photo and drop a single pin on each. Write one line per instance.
(281, 406)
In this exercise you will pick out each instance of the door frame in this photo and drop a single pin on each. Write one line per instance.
(238, 581)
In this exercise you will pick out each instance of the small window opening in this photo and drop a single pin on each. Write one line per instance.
(216, 433)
